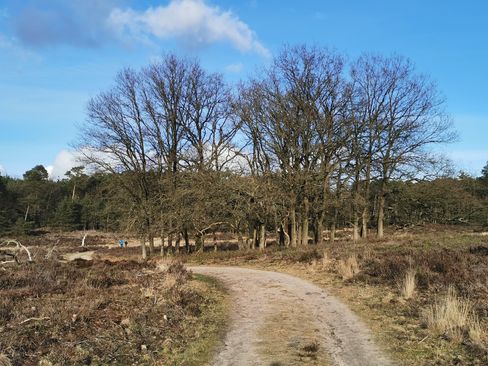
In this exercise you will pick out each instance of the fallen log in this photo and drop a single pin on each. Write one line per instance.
(10, 251)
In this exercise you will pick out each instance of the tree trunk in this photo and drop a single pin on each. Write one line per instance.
(332, 231)
(151, 244)
(319, 230)
(177, 243)
(240, 240)
(162, 243)
(254, 238)
(293, 231)
(281, 237)
(143, 247)
(355, 228)
(381, 215)
(262, 236)
(73, 194)
(198, 243)
(305, 232)
(215, 241)
(306, 209)
(364, 223)
(26, 213)
(299, 233)
(170, 243)
(187, 240)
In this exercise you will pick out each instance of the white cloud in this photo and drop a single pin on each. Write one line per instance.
(63, 162)
(234, 68)
(192, 21)
(2, 170)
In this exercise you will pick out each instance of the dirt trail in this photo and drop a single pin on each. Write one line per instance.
(278, 319)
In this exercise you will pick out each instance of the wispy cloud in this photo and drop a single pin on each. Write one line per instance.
(192, 21)
(234, 68)
(10, 46)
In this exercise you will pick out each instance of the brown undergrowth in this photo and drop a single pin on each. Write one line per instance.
(101, 312)
(436, 266)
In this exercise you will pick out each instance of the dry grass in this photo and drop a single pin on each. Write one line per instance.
(348, 268)
(454, 318)
(326, 261)
(4, 361)
(408, 285)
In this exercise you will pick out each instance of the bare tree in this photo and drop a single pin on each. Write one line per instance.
(404, 116)
(114, 140)
(292, 119)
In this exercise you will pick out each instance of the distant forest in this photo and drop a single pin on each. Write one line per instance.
(312, 142)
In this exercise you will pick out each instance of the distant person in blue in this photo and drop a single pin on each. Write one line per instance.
(121, 243)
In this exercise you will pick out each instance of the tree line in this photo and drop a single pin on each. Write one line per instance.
(311, 142)
(83, 201)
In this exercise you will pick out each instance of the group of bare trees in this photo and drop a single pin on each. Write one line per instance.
(292, 149)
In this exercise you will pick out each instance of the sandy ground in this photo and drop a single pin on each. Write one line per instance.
(278, 319)
(88, 256)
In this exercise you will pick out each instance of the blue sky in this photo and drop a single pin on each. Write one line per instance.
(56, 54)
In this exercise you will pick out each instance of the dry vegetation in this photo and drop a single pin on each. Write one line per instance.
(102, 312)
(424, 292)
(454, 317)
(347, 268)
(407, 287)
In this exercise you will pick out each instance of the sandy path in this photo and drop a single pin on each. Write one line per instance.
(278, 319)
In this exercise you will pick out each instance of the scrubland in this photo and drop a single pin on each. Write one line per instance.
(102, 312)
(423, 292)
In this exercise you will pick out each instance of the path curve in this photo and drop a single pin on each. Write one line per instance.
(279, 319)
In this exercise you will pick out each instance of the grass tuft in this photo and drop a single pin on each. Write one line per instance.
(407, 287)
(454, 317)
(4, 361)
(348, 268)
